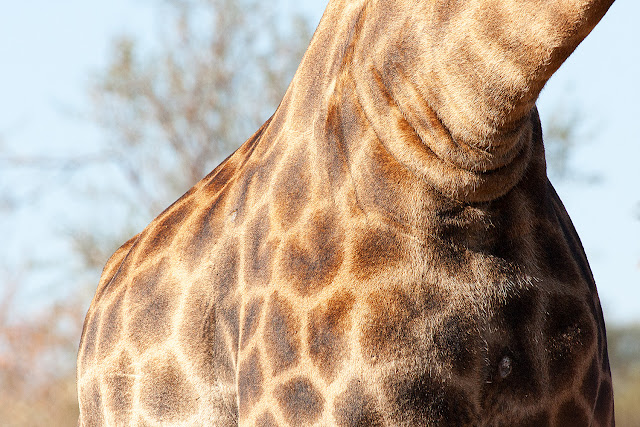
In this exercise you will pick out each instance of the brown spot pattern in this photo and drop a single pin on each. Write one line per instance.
(281, 338)
(249, 382)
(312, 262)
(604, 404)
(91, 405)
(571, 413)
(420, 399)
(225, 278)
(456, 341)
(291, 191)
(556, 258)
(266, 420)
(515, 340)
(111, 325)
(327, 333)
(206, 230)
(151, 322)
(218, 178)
(375, 250)
(251, 321)
(591, 382)
(393, 326)
(163, 230)
(259, 251)
(200, 336)
(383, 185)
(90, 334)
(241, 201)
(300, 402)
(570, 335)
(356, 408)
(119, 396)
(165, 392)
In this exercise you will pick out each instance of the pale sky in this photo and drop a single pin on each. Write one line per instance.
(49, 49)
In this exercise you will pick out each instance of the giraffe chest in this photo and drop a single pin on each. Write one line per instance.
(425, 355)
(438, 331)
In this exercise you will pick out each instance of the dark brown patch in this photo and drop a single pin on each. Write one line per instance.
(89, 338)
(375, 250)
(120, 390)
(383, 185)
(456, 341)
(225, 281)
(601, 333)
(249, 382)
(355, 408)
(571, 414)
(443, 13)
(327, 329)
(281, 337)
(266, 420)
(265, 169)
(165, 393)
(200, 333)
(225, 273)
(241, 199)
(163, 230)
(248, 147)
(333, 150)
(457, 230)
(570, 336)
(204, 233)
(91, 406)
(419, 399)
(556, 260)
(301, 403)
(251, 321)
(514, 339)
(393, 327)
(387, 334)
(110, 277)
(471, 227)
(230, 316)
(572, 239)
(312, 262)
(541, 419)
(604, 406)
(591, 382)
(150, 322)
(218, 178)
(259, 251)
(111, 326)
(451, 259)
(291, 190)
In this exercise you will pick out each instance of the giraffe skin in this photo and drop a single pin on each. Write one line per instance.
(386, 250)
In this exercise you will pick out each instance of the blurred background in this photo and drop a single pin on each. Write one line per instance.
(109, 111)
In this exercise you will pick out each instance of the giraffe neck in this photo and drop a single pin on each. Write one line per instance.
(344, 95)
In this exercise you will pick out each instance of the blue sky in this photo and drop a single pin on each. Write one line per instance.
(49, 50)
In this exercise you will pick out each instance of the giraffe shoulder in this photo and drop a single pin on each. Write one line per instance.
(115, 261)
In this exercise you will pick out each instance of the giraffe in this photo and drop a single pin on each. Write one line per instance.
(386, 250)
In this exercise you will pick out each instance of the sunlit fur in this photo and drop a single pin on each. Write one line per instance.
(385, 251)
